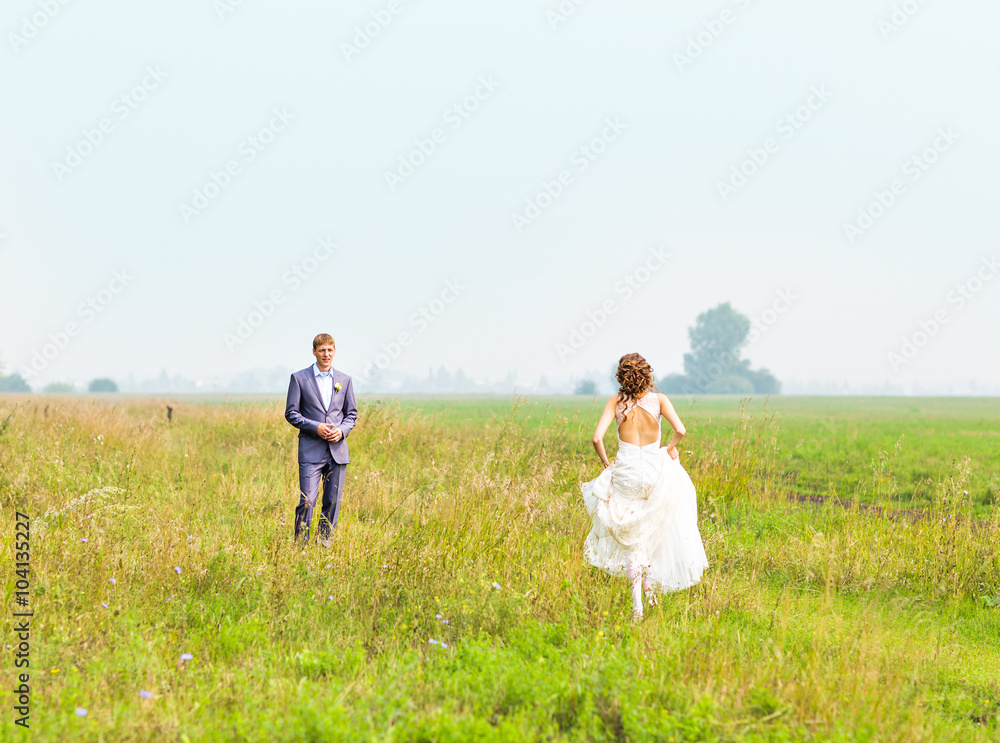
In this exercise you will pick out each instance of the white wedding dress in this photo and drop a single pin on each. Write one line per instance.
(645, 513)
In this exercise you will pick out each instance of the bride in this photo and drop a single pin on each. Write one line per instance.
(644, 506)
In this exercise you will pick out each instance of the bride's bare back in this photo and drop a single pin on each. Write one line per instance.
(639, 427)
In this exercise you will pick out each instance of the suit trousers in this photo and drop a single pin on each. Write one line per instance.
(310, 474)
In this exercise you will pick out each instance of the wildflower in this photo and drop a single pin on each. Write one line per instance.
(83, 539)
(497, 586)
(81, 712)
(54, 670)
(329, 598)
(328, 567)
(102, 530)
(966, 492)
(437, 616)
(145, 694)
(177, 569)
(113, 582)
(104, 605)
(187, 656)
(444, 645)
(432, 641)
(444, 621)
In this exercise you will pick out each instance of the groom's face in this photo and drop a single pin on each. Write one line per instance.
(324, 356)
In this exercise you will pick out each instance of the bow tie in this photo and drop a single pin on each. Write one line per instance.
(326, 374)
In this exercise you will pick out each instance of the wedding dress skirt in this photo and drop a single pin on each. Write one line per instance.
(645, 514)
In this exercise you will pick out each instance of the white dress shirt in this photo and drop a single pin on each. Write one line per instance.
(324, 380)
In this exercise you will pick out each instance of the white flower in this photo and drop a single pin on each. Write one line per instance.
(187, 656)
(81, 712)
(497, 586)
(337, 386)
(145, 694)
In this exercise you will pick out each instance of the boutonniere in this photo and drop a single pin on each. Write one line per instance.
(337, 386)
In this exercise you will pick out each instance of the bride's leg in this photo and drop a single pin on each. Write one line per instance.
(634, 573)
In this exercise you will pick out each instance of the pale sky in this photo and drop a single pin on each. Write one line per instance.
(312, 113)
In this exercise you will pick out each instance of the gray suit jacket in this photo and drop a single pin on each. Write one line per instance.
(304, 410)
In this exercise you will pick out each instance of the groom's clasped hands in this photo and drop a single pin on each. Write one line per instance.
(329, 433)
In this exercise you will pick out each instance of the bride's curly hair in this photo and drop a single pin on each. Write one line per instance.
(634, 375)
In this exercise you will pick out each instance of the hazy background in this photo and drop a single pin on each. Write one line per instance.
(324, 176)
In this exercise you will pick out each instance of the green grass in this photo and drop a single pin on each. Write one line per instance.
(825, 446)
(814, 622)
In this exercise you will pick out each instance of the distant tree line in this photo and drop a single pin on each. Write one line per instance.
(16, 383)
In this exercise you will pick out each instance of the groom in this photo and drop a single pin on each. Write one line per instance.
(321, 405)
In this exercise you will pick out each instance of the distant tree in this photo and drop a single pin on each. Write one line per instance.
(716, 339)
(102, 385)
(714, 365)
(13, 383)
(585, 387)
(59, 388)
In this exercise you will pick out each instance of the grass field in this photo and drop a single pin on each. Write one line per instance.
(162, 563)
(826, 446)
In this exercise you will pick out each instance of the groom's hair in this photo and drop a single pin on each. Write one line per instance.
(323, 339)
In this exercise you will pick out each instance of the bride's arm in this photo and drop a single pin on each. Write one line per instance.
(607, 415)
(668, 412)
